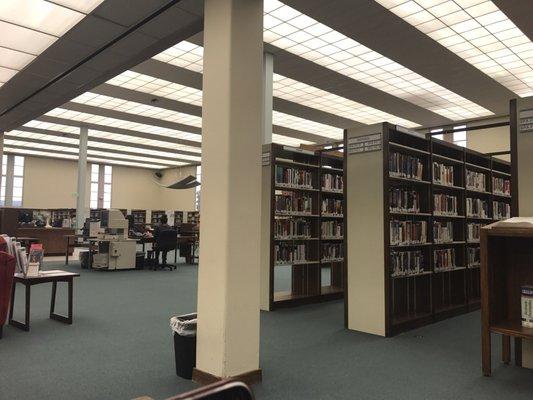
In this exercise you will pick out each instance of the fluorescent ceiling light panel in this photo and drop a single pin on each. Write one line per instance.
(130, 107)
(288, 141)
(28, 27)
(322, 45)
(304, 125)
(310, 96)
(184, 54)
(478, 32)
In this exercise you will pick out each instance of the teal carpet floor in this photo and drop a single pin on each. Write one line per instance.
(120, 347)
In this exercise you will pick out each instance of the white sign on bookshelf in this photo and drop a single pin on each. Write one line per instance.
(265, 159)
(526, 121)
(365, 144)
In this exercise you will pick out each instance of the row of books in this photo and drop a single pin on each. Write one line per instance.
(292, 228)
(501, 210)
(406, 262)
(476, 181)
(404, 200)
(287, 253)
(442, 232)
(444, 259)
(287, 203)
(405, 166)
(294, 177)
(473, 231)
(408, 232)
(332, 251)
(332, 229)
(443, 174)
(332, 182)
(444, 204)
(501, 186)
(473, 257)
(332, 206)
(477, 208)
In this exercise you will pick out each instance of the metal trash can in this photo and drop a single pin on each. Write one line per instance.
(184, 328)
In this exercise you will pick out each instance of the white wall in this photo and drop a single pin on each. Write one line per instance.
(52, 183)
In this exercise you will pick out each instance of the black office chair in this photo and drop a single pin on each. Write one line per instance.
(166, 241)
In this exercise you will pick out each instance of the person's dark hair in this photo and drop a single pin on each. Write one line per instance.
(163, 219)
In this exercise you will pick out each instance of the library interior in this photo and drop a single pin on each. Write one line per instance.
(266, 199)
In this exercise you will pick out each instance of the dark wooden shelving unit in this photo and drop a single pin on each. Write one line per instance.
(416, 297)
(193, 217)
(317, 277)
(178, 218)
(139, 217)
(155, 217)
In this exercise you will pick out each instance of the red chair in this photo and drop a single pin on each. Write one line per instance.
(7, 271)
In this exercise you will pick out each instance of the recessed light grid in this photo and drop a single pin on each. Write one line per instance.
(131, 107)
(184, 54)
(157, 87)
(29, 27)
(299, 92)
(288, 141)
(297, 33)
(478, 32)
(301, 124)
(120, 123)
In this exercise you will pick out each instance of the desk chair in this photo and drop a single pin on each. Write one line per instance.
(166, 241)
(7, 270)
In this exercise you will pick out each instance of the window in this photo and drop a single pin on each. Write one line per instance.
(12, 187)
(459, 135)
(18, 181)
(101, 186)
(3, 187)
(441, 136)
(198, 188)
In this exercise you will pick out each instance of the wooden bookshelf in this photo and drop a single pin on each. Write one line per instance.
(178, 218)
(156, 217)
(193, 217)
(139, 217)
(304, 264)
(426, 277)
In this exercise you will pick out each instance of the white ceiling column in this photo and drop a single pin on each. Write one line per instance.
(81, 211)
(268, 96)
(228, 275)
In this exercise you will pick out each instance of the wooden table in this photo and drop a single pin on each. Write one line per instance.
(52, 239)
(53, 276)
(27, 241)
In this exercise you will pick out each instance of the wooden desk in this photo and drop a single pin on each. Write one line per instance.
(506, 254)
(53, 276)
(52, 239)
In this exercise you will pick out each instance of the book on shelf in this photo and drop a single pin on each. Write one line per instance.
(408, 232)
(332, 182)
(443, 174)
(293, 203)
(332, 229)
(444, 204)
(292, 228)
(404, 263)
(405, 166)
(501, 210)
(442, 232)
(332, 206)
(287, 253)
(473, 256)
(476, 181)
(501, 186)
(404, 200)
(444, 259)
(294, 177)
(332, 252)
(473, 231)
(477, 208)
(526, 305)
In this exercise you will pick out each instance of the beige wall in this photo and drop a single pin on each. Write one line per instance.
(490, 140)
(52, 183)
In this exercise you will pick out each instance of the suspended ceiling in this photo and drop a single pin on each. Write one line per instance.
(132, 72)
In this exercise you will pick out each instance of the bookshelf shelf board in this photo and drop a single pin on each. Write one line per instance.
(505, 174)
(448, 159)
(408, 148)
(281, 186)
(474, 266)
(285, 296)
(449, 308)
(450, 187)
(333, 191)
(478, 167)
(424, 273)
(295, 214)
(410, 214)
(503, 196)
(409, 180)
(330, 290)
(290, 162)
(472, 241)
(332, 169)
(512, 328)
(473, 217)
(437, 215)
(470, 190)
(332, 260)
(325, 215)
(402, 319)
(454, 269)
(453, 243)
(288, 263)
(293, 239)
(331, 238)
(410, 245)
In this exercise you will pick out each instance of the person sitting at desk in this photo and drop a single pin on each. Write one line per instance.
(163, 226)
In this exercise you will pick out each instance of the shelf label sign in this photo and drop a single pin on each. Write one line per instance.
(526, 121)
(365, 144)
(265, 159)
